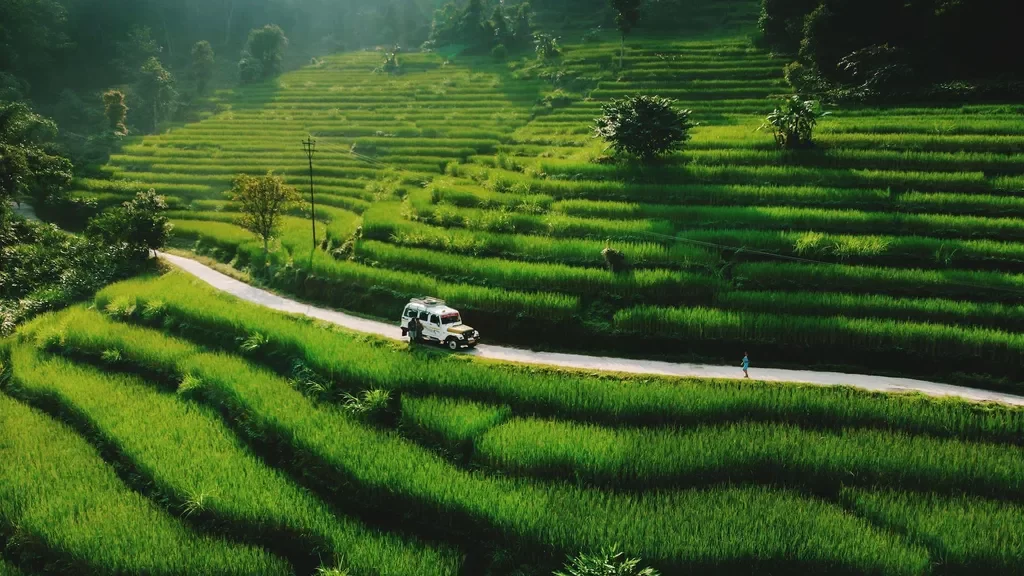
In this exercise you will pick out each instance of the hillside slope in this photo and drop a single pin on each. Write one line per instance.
(894, 246)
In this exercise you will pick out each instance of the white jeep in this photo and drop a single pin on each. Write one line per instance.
(439, 323)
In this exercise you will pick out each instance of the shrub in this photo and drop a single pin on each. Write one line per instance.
(644, 126)
(608, 562)
(138, 224)
(499, 52)
(793, 122)
(546, 46)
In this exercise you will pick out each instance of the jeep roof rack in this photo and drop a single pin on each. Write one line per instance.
(428, 301)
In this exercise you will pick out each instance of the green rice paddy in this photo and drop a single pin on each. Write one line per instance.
(454, 179)
(165, 428)
(205, 434)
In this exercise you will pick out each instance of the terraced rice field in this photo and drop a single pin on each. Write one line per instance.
(169, 429)
(894, 246)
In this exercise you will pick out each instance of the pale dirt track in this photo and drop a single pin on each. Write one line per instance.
(575, 361)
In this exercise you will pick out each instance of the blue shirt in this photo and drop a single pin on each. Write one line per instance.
(746, 362)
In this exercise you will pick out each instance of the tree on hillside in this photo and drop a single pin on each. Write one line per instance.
(135, 51)
(627, 14)
(32, 39)
(115, 111)
(28, 167)
(156, 87)
(263, 53)
(502, 33)
(523, 31)
(643, 126)
(137, 226)
(202, 65)
(264, 200)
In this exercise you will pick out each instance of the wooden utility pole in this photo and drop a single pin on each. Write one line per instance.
(309, 145)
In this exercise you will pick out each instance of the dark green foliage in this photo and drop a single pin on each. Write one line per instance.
(156, 87)
(793, 121)
(138, 225)
(643, 126)
(469, 27)
(546, 46)
(627, 14)
(390, 64)
(202, 65)
(263, 53)
(32, 39)
(43, 268)
(872, 49)
(782, 22)
(28, 167)
(608, 562)
(135, 51)
(523, 25)
(502, 33)
(115, 111)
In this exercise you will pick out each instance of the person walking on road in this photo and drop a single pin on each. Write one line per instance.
(746, 365)
(414, 329)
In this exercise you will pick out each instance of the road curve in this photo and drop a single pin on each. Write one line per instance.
(249, 293)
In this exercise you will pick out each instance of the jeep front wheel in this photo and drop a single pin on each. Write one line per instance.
(453, 344)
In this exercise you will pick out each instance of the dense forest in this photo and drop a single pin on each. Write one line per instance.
(882, 50)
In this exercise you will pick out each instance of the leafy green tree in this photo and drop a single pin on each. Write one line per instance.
(28, 167)
(266, 46)
(156, 87)
(32, 40)
(546, 46)
(627, 14)
(135, 51)
(502, 33)
(138, 225)
(115, 111)
(263, 201)
(203, 63)
(523, 32)
(644, 126)
(608, 562)
(793, 121)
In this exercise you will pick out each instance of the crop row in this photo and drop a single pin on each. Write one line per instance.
(836, 340)
(195, 463)
(177, 301)
(674, 530)
(70, 508)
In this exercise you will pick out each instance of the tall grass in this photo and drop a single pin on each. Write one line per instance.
(193, 309)
(1007, 317)
(640, 285)
(69, 507)
(965, 535)
(382, 222)
(643, 459)
(836, 339)
(197, 466)
(450, 423)
(950, 284)
(775, 530)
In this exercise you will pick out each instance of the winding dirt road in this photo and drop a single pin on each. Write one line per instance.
(877, 383)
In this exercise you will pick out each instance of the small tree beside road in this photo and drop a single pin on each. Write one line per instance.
(263, 200)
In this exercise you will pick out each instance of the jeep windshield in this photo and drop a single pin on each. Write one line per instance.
(449, 319)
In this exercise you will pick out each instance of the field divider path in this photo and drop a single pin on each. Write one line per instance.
(267, 299)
